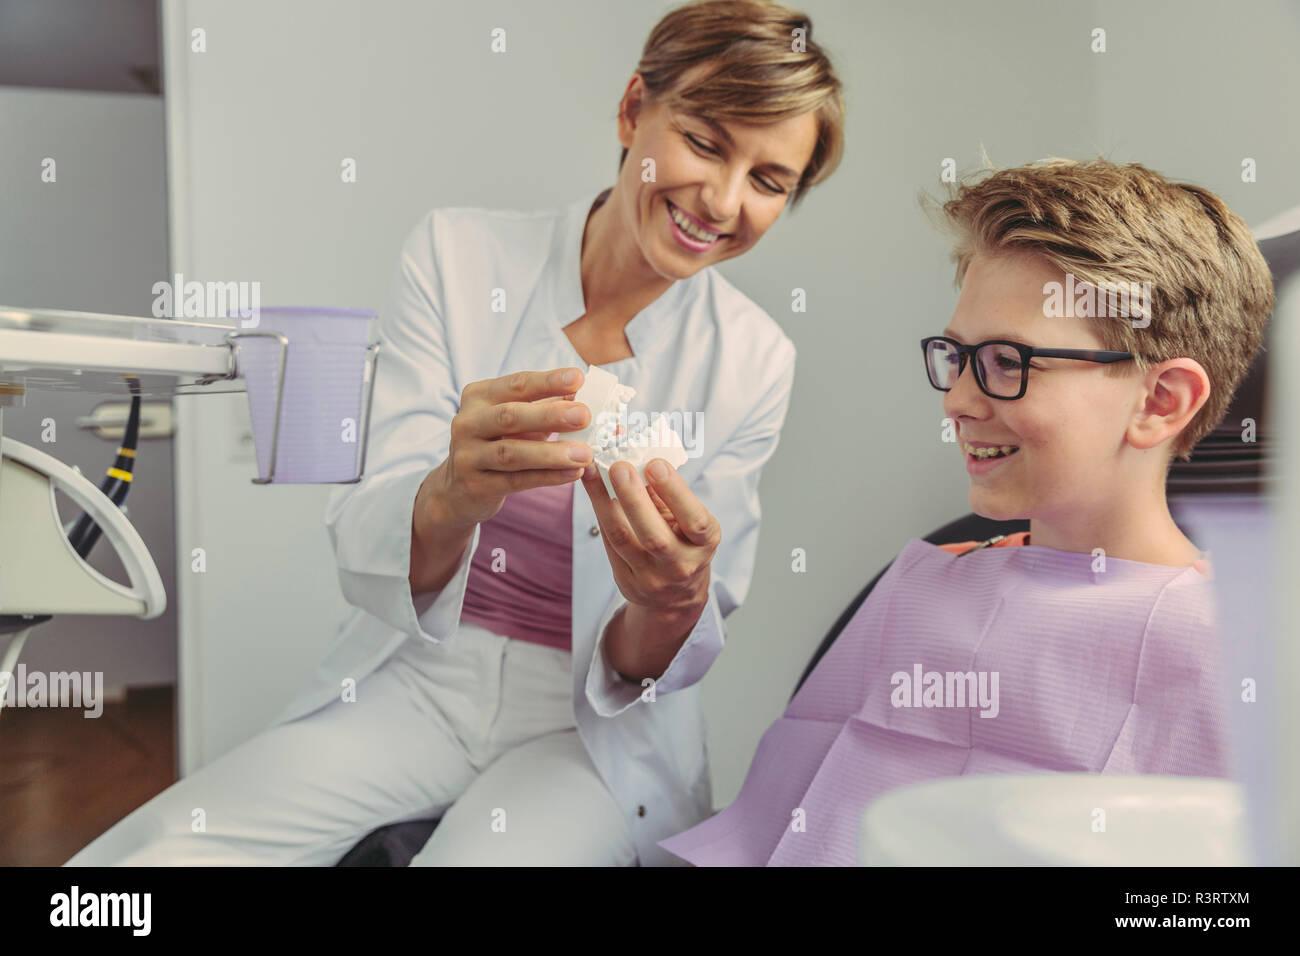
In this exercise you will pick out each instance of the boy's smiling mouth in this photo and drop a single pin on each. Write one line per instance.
(983, 457)
(981, 451)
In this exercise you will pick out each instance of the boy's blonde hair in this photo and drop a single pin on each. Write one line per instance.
(760, 65)
(1119, 225)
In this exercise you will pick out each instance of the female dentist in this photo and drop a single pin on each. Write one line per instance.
(523, 660)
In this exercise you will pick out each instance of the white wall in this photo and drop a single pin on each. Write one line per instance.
(285, 91)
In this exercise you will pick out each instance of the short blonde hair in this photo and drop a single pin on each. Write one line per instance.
(754, 72)
(1211, 290)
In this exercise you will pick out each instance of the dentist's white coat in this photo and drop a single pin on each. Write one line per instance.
(701, 347)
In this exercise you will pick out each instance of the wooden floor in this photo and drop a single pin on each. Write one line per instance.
(65, 779)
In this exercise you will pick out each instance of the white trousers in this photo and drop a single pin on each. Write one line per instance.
(478, 730)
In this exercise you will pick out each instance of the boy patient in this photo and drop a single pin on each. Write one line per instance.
(1106, 317)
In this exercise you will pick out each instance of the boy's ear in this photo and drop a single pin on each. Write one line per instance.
(1174, 392)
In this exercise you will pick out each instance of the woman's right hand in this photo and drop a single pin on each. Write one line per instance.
(498, 444)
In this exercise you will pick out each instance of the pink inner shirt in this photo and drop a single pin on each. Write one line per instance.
(521, 576)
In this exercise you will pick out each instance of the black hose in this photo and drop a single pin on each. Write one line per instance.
(117, 481)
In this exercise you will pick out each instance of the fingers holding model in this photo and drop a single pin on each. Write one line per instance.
(660, 537)
(498, 443)
(497, 446)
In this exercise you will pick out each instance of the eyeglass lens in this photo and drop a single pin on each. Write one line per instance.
(999, 367)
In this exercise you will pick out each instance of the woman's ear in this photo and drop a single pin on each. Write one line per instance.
(629, 110)
(1174, 391)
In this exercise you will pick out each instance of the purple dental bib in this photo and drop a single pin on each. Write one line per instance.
(1013, 659)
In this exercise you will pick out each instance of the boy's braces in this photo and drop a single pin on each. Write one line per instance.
(989, 451)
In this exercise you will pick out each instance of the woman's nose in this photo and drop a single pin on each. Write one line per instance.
(722, 196)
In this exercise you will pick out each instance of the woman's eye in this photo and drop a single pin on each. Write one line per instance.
(1008, 363)
(706, 148)
(701, 145)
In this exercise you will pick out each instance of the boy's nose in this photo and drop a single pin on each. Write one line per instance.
(965, 396)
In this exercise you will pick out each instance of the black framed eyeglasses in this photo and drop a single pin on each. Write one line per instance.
(1001, 366)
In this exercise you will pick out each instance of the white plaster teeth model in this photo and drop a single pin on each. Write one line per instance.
(609, 436)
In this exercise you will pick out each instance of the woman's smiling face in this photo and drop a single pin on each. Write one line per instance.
(715, 185)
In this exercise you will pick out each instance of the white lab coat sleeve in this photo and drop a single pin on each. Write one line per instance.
(728, 487)
(415, 398)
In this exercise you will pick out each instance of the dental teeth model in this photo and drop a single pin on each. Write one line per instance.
(610, 436)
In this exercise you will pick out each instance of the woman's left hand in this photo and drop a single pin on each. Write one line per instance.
(659, 537)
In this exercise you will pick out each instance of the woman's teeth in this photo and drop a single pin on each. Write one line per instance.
(990, 451)
(689, 227)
